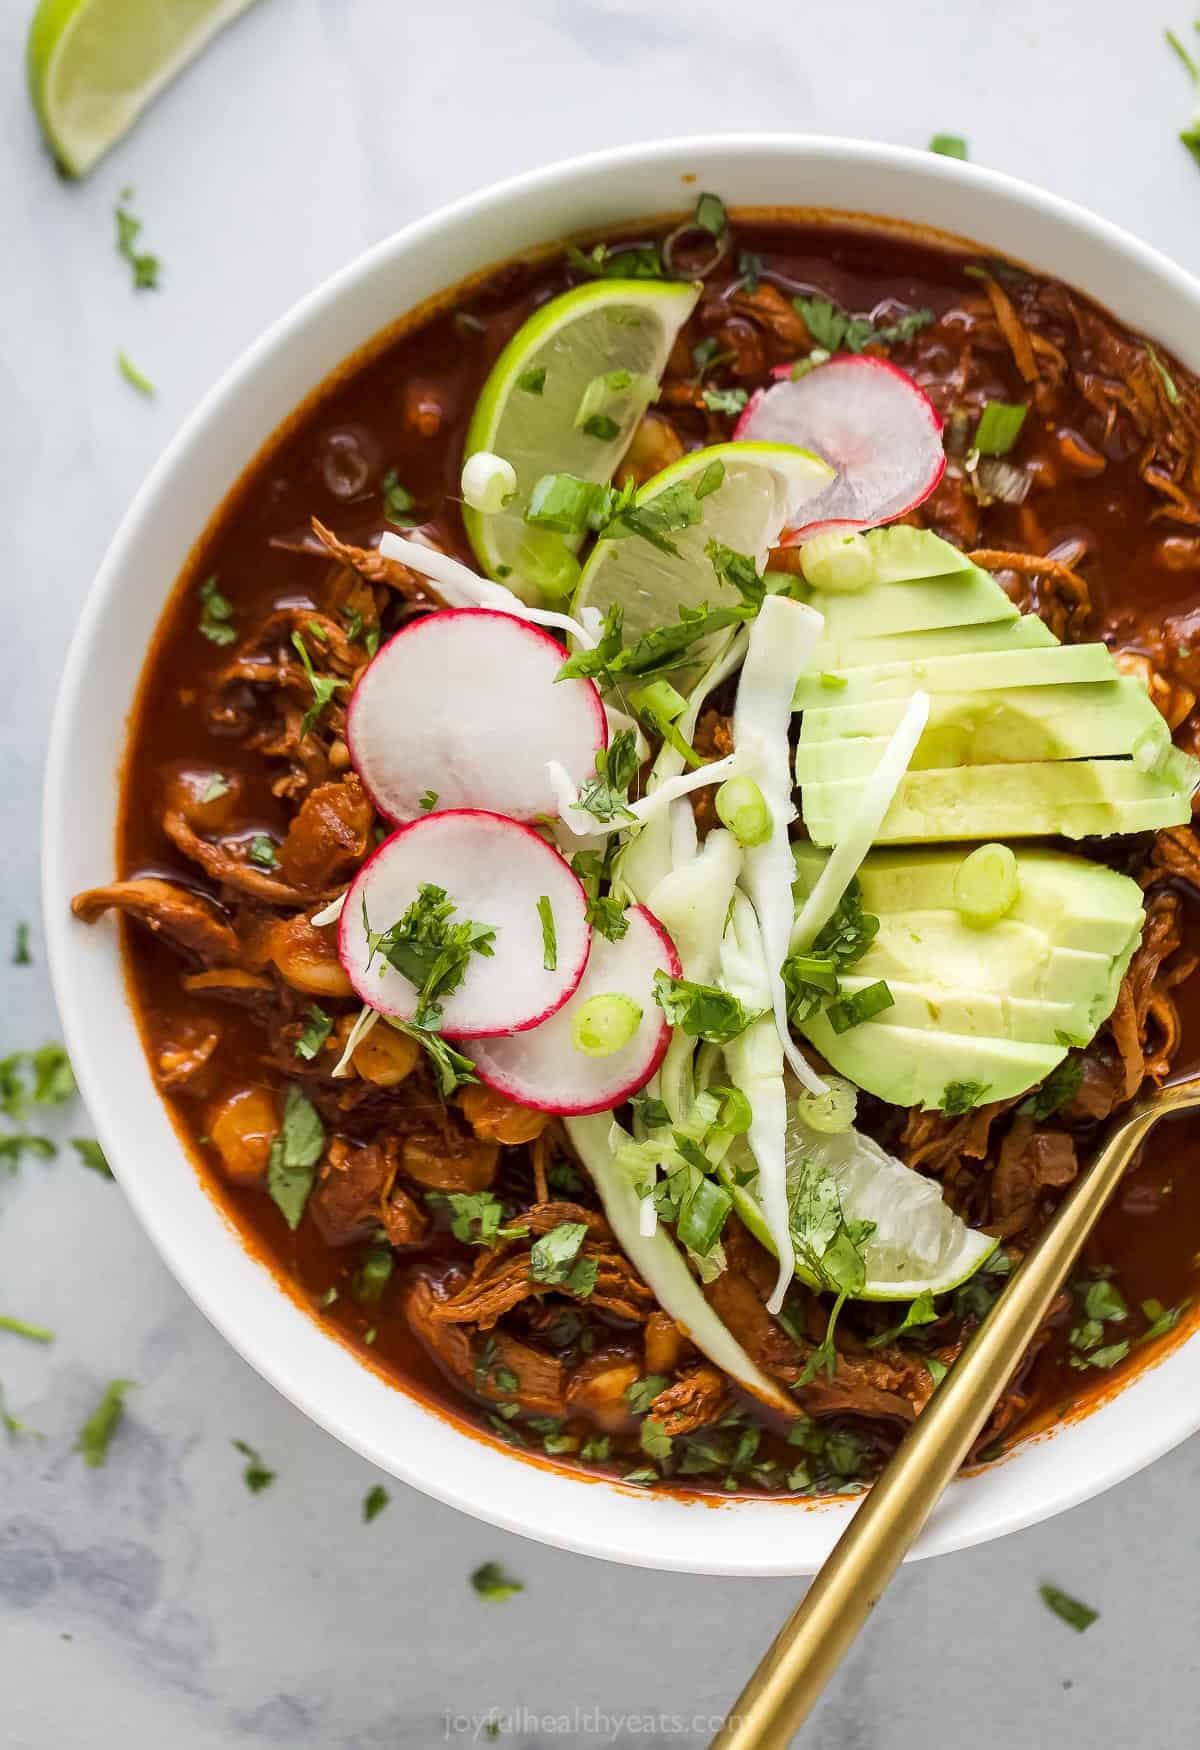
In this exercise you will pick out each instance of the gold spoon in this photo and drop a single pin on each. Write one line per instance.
(818, 1634)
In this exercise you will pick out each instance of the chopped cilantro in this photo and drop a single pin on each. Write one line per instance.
(949, 146)
(674, 508)
(12, 1148)
(135, 378)
(262, 852)
(216, 613)
(216, 787)
(555, 1259)
(1059, 1089)
(608, 916)
(642, 1393)
(653, 1113)
(20, 954)
(597, 1449)
(451, 1067)
(1162, 1318)
(702, 1010)
(961, 1097)
(93, 1438)
(641, 1478)
(11, 1426)
(92, 1155)
(323, 686)
(477, 1217)
(936, 1369)
(35, 1333)
(533, 381)
(654, 1440)
(1078, 1616)
(640, 262)
(724, 400)
(317, 1028)
(833, 330)
(256, 1476)
(606, 794)
(144, 266)
(397, 503)
(711, 215)
(549, 935)
(428, 801)
(491, 1582)
(921, 1312)
(1191, 134)
(750, 267)
(372, 1276)
(428, 950)
(295, 1152)
(374, 1502)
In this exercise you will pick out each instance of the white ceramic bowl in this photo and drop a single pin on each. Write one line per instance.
(169, 514)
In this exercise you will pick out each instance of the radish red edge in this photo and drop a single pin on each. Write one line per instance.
(546, 871)
(509, 1064)
(386, 787)
(921, 404)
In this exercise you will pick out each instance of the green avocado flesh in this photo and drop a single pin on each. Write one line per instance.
(1026, 737)
(998, 1007)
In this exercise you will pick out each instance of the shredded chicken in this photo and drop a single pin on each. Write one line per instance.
(184, 917)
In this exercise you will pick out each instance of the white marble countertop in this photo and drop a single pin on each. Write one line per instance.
(156, 1602)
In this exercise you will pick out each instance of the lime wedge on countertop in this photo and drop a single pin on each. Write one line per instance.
(919, 1243)
(94, 65)
(759, 489)
(563, 371)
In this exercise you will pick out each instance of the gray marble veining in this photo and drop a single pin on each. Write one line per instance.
(156, 1602)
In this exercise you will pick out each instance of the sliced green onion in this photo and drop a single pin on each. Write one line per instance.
(999, 427)
(702, 1217)
(735, 1114)
(837, 562)
(605, 1024)
(742, 806)
(949, 146)
(853, 1010)
(711, 215)
(986, 886)
(830, 1112)
(659, 706)
(545, 562)
(488, 482)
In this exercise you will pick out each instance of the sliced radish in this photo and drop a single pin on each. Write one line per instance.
(460, 706)
(869, 420)
(545, 1070)
(496, 871)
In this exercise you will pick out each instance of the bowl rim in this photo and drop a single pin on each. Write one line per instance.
(624, 1533)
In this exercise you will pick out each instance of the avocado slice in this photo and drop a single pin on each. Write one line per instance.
(1000, 727)
(1079, 904)
(1069, 798)
(969, 672)
(832, 655)
(965, 598)
(989, 1006)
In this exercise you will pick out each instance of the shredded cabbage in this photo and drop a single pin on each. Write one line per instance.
(873, 804)
(660, 1263)
(360, 1029)
(782, 640)
(584, 824)
(755, 1063)
(330, 913)
(463, 588)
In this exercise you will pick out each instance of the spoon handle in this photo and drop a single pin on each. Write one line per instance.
(819, 1632)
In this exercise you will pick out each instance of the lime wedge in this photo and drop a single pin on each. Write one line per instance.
(918, 1243)
(574, 352)
(761, 486)
(94, 65)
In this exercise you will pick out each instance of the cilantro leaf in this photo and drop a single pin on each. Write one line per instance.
(729, 401)
(144, 266)
(14, 1146)
(323, 686)
(702, 1010)
(135, 378)
(451, 1067)
(608, 916)
(834, 331)
(961, 1097)
(492, 1583)
(921, 1312)
(295, 1151)
(545, 913)
(92, 1155)
(256, 1476)
(642, 1393)
(20, 954)
(374, 1502)
(428, 950)
(318, 1026)
(555, 1259)
(639, 262)
(1059, 1089)
(477, 1217)
(397, 503)
(18, 1327)
(216, 613)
